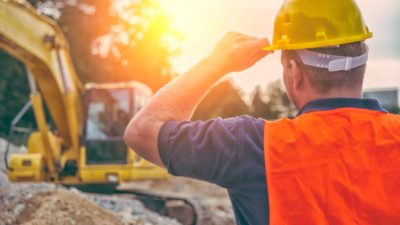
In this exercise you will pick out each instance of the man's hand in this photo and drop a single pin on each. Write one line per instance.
(237, 52)
(178, 99)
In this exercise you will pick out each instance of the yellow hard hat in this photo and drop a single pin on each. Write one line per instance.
(303, 24)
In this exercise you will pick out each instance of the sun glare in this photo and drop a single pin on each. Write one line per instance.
(203, 22)
(177, 11)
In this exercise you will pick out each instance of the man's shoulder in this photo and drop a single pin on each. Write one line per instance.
(219, 150)
(252, 126)
(247, 128)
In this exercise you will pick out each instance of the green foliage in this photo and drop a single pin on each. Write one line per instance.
(14, 92)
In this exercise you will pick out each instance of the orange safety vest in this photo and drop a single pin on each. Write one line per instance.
(334, 167)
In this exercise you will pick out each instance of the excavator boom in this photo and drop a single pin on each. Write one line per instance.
(40, 44)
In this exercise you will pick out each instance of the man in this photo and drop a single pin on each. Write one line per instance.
(337, 162)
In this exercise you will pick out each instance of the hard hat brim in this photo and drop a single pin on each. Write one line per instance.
(271, 48)
(328, 43)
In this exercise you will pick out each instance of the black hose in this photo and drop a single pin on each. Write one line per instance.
(7, 151)
(14, 122)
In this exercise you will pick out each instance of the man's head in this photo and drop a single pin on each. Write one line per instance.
(305, 30)
(305, 83)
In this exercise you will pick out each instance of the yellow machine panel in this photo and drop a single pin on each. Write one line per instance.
(35, 144)
(26, 167)
(135, 169)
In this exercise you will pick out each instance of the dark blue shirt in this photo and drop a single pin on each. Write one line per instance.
(230, 153)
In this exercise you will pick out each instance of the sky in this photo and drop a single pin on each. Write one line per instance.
(204, 23)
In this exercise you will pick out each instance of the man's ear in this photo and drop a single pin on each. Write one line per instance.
(298, 78)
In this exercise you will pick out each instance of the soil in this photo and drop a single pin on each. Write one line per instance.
(63, 208)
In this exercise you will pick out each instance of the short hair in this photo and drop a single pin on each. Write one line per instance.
(322, 80)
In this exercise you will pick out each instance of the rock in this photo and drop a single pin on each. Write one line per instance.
(4, 183)
(13, 149)
(18, 208)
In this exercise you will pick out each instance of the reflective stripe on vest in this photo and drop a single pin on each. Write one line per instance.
(334, 167)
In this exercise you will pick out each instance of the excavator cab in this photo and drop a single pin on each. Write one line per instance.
(108, 109)
(108, 113)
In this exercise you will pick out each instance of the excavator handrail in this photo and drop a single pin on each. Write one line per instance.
(14, 122)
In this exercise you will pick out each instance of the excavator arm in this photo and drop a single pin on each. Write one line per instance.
(40, 44)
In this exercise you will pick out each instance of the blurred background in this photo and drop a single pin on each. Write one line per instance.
(154, 41)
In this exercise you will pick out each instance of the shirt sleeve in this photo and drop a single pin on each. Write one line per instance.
(211, 150)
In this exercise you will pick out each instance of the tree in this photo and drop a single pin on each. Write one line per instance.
(272, 105)
(262, 108)
(394, 110)
(116, 40)
(107, 44)
(224, 100)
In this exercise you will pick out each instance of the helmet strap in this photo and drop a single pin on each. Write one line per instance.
(333, 63)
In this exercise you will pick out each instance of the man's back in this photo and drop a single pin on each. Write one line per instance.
(334, 167)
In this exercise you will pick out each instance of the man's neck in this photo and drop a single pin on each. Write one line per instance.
(329, 95)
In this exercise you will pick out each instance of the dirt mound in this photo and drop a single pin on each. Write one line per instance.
(48, 204)
(63, 208)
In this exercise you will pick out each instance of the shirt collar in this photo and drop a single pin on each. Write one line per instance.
(336, 103)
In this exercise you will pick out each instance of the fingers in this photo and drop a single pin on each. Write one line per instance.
(261, 43)
(245, 38)
(259, 53)
(238, 51)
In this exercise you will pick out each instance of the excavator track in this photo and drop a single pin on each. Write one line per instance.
(186, 210)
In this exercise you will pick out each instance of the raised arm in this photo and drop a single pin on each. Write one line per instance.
(178, 99)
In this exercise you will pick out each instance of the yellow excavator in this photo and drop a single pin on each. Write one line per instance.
(86, 148)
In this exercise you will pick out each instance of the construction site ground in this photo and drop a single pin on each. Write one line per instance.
(48, 204)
